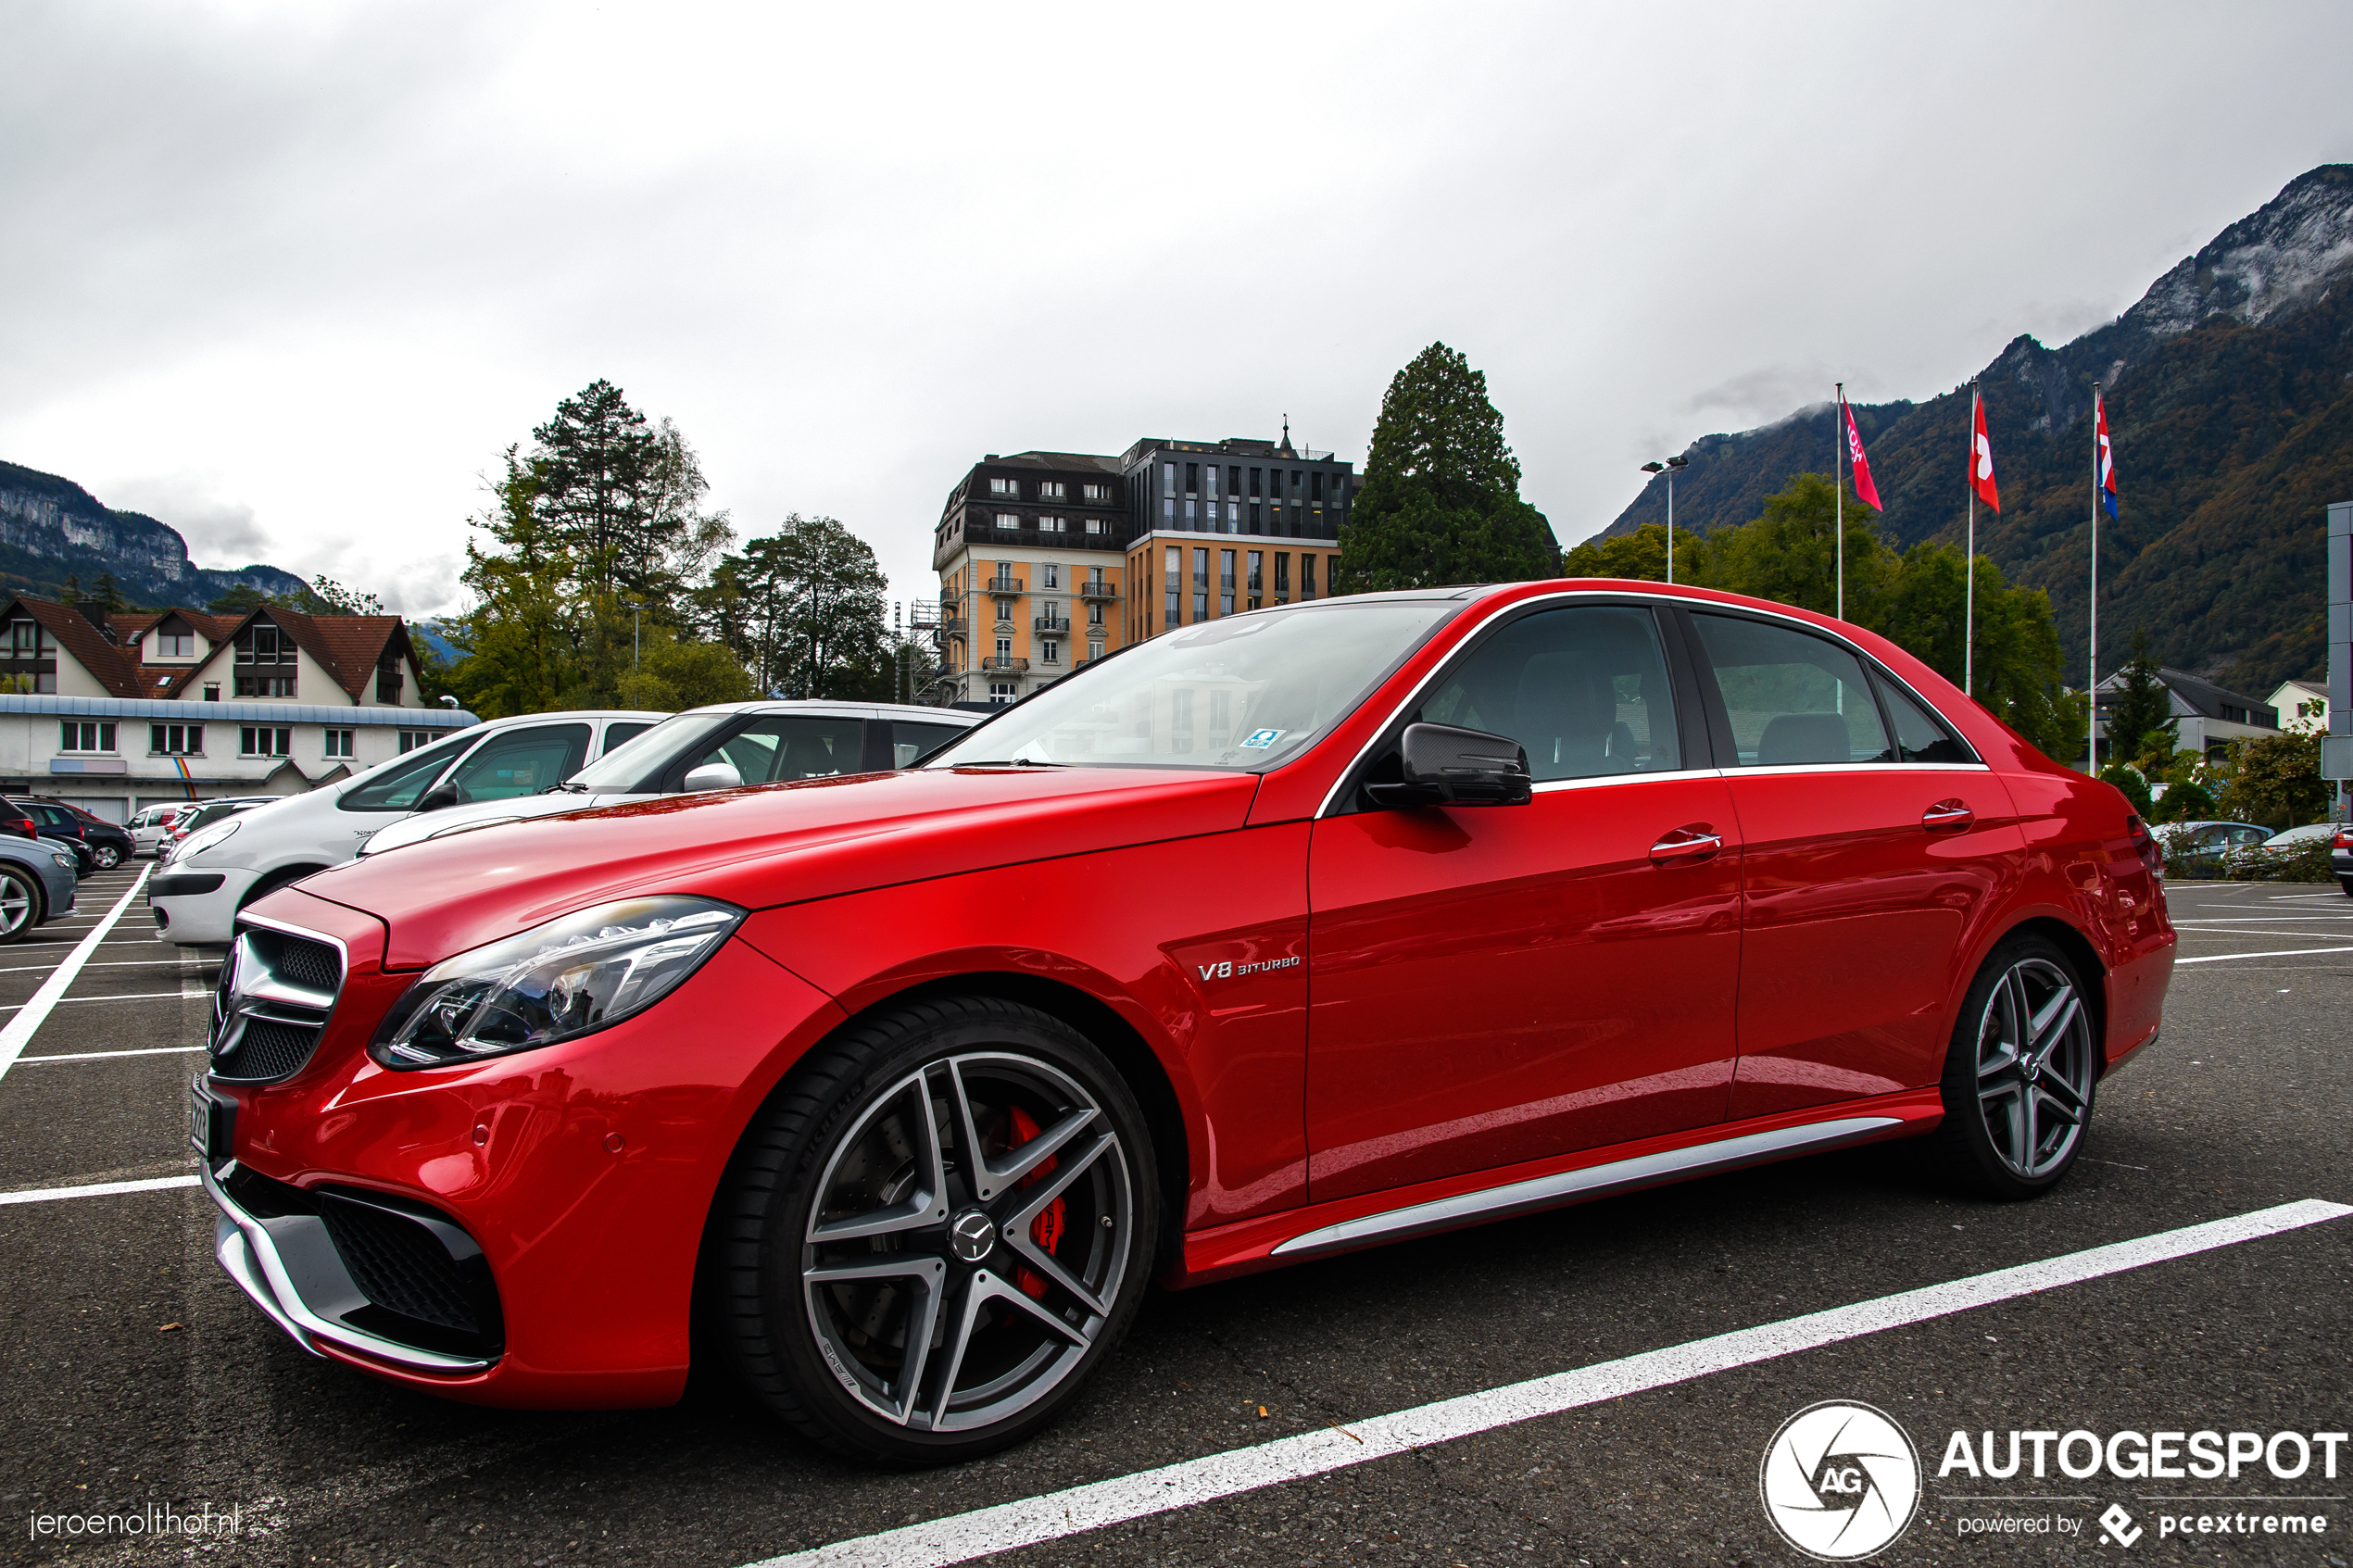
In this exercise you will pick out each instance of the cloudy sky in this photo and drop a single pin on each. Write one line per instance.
(290, 276)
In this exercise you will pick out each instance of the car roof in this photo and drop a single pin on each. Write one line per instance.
(842, 708)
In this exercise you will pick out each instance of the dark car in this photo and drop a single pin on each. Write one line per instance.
(107, 844)
(2192, 847)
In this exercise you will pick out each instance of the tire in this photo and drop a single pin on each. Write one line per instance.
(2021, 1075)
(1027, 1268)
(2346, 884)
(105, 857)
(20, 904)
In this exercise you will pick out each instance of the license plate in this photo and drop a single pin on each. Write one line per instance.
(208, 1123)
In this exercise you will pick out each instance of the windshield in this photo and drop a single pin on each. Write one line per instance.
(632, 766)
(1248, 693)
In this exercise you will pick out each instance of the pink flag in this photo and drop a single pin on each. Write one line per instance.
(1863, 486)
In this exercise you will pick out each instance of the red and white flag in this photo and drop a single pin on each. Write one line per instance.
(1864, 488)
(1980, 455)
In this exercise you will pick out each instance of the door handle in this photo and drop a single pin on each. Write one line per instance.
(1686, 846)
(1948, 816)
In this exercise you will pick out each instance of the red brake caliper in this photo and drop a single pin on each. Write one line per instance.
(1047, 1229)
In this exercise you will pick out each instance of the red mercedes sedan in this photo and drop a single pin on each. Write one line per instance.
(1293, 931)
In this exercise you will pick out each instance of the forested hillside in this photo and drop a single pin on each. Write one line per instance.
(2231, 404)
(52, 530)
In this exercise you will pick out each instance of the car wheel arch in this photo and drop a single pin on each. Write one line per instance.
(270, 881)
(2080, 950)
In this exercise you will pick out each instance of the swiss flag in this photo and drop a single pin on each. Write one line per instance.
(2105, 475)
(1980, 456)
(1864, 488)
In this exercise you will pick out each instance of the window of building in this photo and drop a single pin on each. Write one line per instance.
(1168, 479)
(175, 645)
(1192, 514)
(1306, 577)
(1009, 520)
(412, 739)
(1094, 525)
(1050, 524)
(1050, 615)
(1004, 488)
(339, 744)
(212, 691)
(1254, 490)
(390, 677)
(1004, 609)
(1233, 481)
(1315, 487)
(1233, 517)
(1254, 517)
(1094, 615)
(265, 685)
(1168, 514)
(265, 740)
(80, 736)
(1282, 576)
(1050, 575)
(1172, 615)
(1296, 477)
(1200, 585)
(1094, 651)
(1193, 478)
(1095, 495)
(1051, 490)
(1050, 653)
(1004, 647)
(1000, 692)
(26, 640)
(1225, 581)
(1211, 480)
(176, 740)
(262, 642)
(1255, 585)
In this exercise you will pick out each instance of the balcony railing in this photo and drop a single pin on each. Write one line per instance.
(954, 626)
(1049, 624)
(1098, 592)
(1005, 662)
(1003, 585)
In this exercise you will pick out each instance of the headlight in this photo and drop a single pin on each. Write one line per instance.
(217, 834)
(557, 982)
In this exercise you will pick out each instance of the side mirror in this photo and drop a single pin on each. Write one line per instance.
(440, 796)
(714, 775)
(1444, 766)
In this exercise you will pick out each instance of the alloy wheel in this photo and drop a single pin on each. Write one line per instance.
(970, 1235)
(107, 857)
(2035, 1067)
(16, 906)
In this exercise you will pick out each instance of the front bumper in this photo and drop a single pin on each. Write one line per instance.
(207, 919)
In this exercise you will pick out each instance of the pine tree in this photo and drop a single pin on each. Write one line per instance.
(1441, 500)
(2141, 715)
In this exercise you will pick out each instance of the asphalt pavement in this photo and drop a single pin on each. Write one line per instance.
(1696, 1320)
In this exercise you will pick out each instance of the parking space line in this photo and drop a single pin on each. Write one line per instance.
(2284, 953)
(98, 1190)
(1033, 1521)
(102, 1056)
(127, 997)
(20, 1029)
(102, 963)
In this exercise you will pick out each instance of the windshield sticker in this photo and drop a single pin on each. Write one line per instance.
(1261, 739)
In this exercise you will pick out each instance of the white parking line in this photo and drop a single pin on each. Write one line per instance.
(101, 1056)
(98, 1190)
(963, 1536)
(127, 997)
(2284, 953)
(19, 1030)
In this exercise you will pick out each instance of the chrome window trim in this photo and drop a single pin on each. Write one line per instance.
(1548, 786)
(1695, 605)
(1593, 1181)
(1780, 768)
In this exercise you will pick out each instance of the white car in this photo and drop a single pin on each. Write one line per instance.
(153, 824)
(719, 748)
(217, 870)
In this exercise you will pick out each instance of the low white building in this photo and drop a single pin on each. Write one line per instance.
(2206, 717)
(2303, 706)
(115, 712)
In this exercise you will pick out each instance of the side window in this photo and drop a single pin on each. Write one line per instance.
(1920, 736)
(522, 762)
(620, 733)
(778, 748)
(1584, 689)
(397, 785)
(1794, 699)
(909, 740)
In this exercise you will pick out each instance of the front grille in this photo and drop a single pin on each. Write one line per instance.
(276, 993)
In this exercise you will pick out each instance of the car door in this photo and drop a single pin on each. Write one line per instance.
(1867, 863)
(1492, 985)
(512, 763)
(778, 748)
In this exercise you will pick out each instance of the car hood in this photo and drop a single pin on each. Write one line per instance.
(422, 825)
(770, 845)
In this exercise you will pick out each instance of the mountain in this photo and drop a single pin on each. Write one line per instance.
(51, 528)
(2230, 402)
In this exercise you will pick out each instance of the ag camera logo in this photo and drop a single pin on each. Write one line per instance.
(1839, 1481)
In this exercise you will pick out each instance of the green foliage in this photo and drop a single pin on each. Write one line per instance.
(2189, 801)
(2305, 862)
(803, 608)
(2274, 780)
(1639, 557)
(2140, 716)
(1441, 500)
(2135, 788)
(583, 591)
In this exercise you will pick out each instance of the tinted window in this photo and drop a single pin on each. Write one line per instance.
(623, 733)
(777, 748)
(1584, 689)
(521, 762)
(1920, 736)
(910, 741)
(1793, 698)
(395, 785)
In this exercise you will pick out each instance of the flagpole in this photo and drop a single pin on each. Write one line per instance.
(1969, 563)
(2092, 658)
(1838, 491)
(1670, 528)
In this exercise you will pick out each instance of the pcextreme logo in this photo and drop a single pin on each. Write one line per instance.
(1839, 1480)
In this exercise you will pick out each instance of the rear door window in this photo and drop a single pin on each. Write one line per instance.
(619, 734)
(1920, 736)
(398, 785)
(777, 748)
(1794, 699)
(909, 740)
(522, 761)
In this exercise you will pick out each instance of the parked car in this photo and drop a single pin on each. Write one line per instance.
(222, 866)
(84, 861)
(203, 815)
(16, 822)
(2339, 838)
(2194, 847)
(917, 1080)
(717, 747)
(2341, 857)
(37, 884)
(109, 844)
(151, 825)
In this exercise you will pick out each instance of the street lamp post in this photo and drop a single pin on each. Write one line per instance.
(1668, 468)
